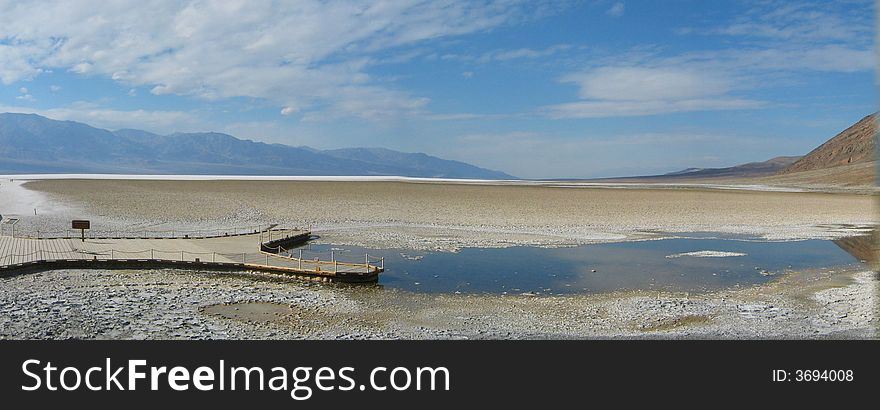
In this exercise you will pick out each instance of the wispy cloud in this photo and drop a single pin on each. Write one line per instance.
(623, 108)
(24, 95)
(776, 40)
(308, 54)
(509, 54)
(803, 21)
(616, 10)
(639, 90)
(522, 53)
(647, 83)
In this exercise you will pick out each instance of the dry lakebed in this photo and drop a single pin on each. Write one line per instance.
(413, 220)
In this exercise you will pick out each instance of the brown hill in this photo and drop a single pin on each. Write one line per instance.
(855, 145)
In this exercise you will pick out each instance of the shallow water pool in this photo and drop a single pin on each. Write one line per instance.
(695, 263)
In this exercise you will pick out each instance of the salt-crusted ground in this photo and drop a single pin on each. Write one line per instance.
(179, 304)
(448, 216)
(168, 304)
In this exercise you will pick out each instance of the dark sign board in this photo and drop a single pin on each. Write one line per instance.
(80, 224)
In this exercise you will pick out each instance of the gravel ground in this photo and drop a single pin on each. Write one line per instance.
(170, 304)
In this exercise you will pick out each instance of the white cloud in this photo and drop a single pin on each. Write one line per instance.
(506, 54)
(802, 21)
(523, 53)
(638, 91)
(647, 83)
(791, 36)
(777, 43)
(25, 96)
(288, 110)
(634, 108)
(309, 54)
(15, 63)
(616, 10)
(54, 88)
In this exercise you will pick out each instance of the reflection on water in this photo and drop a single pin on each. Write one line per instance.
(864, 248)
(693, 263)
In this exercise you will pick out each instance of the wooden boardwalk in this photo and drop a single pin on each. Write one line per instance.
(261, 251)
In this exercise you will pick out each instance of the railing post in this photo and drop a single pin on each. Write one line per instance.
(335, 267)
(243, 258)
(213, 257)
(300, 259)
(332, 256)
(111, 254)
(383, 262)
(181, 256)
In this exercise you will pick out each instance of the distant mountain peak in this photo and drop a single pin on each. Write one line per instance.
(30, 143)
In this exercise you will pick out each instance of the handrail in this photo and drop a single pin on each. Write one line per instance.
(151, 233)
(318, 262)
(184, 256)
(162, 255)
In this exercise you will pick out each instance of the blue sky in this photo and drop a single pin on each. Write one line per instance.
(534, 88)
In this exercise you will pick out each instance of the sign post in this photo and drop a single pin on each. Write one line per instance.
(82, 225)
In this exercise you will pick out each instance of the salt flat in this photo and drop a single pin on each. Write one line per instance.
(447, 216)
(440, 216)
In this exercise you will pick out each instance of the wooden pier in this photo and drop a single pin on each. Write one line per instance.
(264, 249)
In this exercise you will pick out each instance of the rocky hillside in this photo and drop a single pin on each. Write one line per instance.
(855, 145)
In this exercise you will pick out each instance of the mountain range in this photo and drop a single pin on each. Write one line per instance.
(31, 143)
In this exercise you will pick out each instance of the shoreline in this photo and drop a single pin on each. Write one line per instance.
(174, 304)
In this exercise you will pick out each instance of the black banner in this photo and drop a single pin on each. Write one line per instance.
(490, 373)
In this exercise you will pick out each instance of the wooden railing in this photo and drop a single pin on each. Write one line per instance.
(155, 234)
